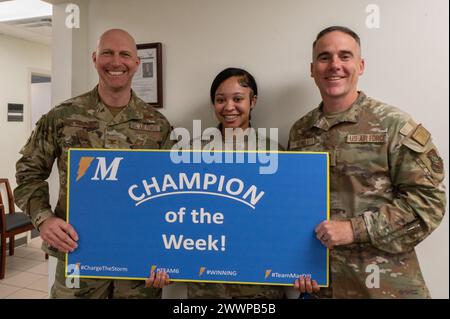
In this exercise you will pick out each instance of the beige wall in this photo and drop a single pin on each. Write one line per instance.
(18, 58)
(406, 63)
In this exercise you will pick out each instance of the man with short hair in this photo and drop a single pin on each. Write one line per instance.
(109, 116)
(386, 178)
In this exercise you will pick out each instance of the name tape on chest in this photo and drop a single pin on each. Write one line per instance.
(304, 142)
(145, 127)
(366, 138)
(89, 125)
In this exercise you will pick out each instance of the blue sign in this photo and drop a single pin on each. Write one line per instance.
(137, 211)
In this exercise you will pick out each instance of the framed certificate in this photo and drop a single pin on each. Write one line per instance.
(147, 81)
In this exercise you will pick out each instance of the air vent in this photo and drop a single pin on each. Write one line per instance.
(15, 112)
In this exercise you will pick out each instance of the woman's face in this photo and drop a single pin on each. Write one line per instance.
(232, 103)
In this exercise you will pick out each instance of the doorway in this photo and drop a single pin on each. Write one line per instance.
(41, 95)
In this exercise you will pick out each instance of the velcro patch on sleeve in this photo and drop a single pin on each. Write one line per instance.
(406, 129)
(421, 135)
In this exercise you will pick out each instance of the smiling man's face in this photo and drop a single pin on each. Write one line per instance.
(336, 67)
(116, 60)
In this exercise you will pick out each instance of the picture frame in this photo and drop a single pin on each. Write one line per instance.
(147, 81)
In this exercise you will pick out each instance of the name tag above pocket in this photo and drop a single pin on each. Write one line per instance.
(145, 127)
(304, 142)
(89, 125)
(367, 138)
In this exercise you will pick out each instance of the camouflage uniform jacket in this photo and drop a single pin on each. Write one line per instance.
(386, 178)
(83, 121)
(237, 291)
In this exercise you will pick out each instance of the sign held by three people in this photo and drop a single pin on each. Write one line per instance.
(137, 211)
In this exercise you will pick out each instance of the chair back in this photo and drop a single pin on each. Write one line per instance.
(11, 224)
(4, 184)
(2, 216)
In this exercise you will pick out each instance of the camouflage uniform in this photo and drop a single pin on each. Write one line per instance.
(236, 291)
(83, 121)
(386, 178)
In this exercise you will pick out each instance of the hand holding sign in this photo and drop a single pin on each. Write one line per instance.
(157, 279)
(59, 234)
(334, 233)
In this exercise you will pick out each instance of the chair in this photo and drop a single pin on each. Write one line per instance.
(10, 225)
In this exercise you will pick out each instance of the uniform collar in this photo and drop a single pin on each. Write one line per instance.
(220, 128)
(320, 121)
(133, 111)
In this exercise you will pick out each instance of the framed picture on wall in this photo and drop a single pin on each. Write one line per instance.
(147, 81)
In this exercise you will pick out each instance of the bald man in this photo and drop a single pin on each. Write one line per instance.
(109, 116)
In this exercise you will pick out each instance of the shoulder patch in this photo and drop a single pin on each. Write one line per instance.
(421, 135)
(406, 129)
(437, 164)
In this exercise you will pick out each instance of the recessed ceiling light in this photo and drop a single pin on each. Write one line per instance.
(23, 9)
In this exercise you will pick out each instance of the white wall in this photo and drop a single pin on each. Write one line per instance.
(18, 58)
(41, 94)
(406, 64)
